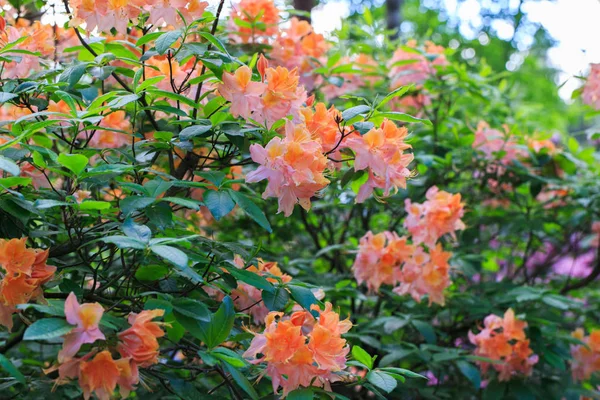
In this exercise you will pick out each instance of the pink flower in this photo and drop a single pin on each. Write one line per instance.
(591, 89)
(243, 94)
(87, 317)
(293, 166)
(381, 150)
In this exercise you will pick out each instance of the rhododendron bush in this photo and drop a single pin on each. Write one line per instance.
(208, 199)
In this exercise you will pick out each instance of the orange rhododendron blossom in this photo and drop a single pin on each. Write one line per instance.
(387, 259)
(15, 257)
(25, 271)
(87, 317)
(504, 339)
(247, 297)
(378, 258)
(591, 89)
(294, 167)
(425, 274)
(99, 376)
(283, 96)
(381, 151)
(243, 94)
(586, 357)
(262, 14)
(297, 46)
(322, 125)
(140, 340)
(300, 350)
(440, 214)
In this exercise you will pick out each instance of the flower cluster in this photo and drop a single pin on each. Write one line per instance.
(418, 268)
(253, 21)
(294, 167)
(381, 151)
(504, 340)
(25, 271)
(297, 46)
(106, 15)
(247, 297)
(388, 259)
(591, 89)
(97, 371)
(439, 215)
(277, 96)
(301, 350)
(32, 39)
(586, 357)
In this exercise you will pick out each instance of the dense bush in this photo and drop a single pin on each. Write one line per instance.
(196, 205)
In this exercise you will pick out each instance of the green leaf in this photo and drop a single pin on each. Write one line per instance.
(134, 203)
(362, 356)
(74, 162)
(15, 181)
(382, 380)
(396, 93)
(398, 116)
(187, 203)
(277, 299)
(301, 394)
(165, 41)
(221, 323)
(5, 96)
(251, 278)
(135, 231)
(426, 330)
(352, 112)
(214, 177)
(404, 372)
(89, 205)
(124, 242)
(198, 130)
(242, 381)
(219, 203)
(229, 356)
(171, 254)
(47, 328)
(471, 372)
(9, 166)
(248, 206)
(43, 204)
(9, 367)
(151, 272)
(303, 296)
(192, 309)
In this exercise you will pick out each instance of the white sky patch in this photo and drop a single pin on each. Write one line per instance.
(328, 17)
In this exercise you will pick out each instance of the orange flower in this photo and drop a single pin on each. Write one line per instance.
(439, 215)
(283, 342)
(16, 289)
(586, 356)
(253, 12)
(140, 341)
(381, 151)
(15, 257)
(291, 362)
(504, 339)
(283, 95)
(99, 376)
(328, 348)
